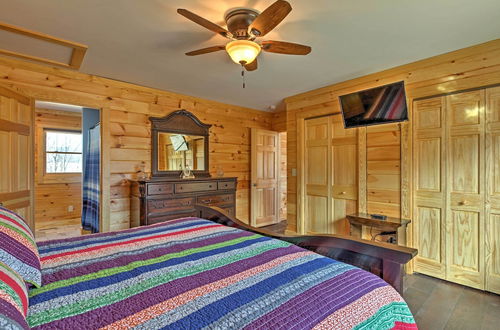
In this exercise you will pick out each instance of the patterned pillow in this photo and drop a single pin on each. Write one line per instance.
(18, 249)
(13, 299)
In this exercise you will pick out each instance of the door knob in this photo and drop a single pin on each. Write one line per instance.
(254, 185)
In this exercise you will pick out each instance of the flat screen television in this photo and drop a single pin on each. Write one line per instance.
(379, 105)
(179, 142)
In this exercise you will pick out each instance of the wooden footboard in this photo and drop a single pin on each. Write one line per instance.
(382, 259)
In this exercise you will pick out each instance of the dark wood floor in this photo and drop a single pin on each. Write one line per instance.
(438, 304)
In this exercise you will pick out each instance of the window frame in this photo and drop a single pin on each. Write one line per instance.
(59, 174)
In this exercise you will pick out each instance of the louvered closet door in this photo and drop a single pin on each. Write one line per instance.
(318, 176)
(344, 163)
(465, 181)
(492, 228)
(429, 192)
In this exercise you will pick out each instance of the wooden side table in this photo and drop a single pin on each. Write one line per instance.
(395, 226)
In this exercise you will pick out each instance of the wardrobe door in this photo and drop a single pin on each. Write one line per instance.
(317, 175)
(465, 181)
(429, 189)
(492, 226)
(344, 155)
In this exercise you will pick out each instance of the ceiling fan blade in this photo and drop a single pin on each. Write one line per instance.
(282, 47)
(205, 50)
(252, 66)
(270, 18)
(203, 22)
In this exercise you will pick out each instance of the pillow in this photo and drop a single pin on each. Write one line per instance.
(18, 249)
(13, 299)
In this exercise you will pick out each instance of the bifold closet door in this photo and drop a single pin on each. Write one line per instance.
(429, 206)
(465, 184)
(318, 208)
(492, 228)
(344, 168)
(331, 176)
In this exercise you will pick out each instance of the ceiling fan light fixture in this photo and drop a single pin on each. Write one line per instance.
(243, 51)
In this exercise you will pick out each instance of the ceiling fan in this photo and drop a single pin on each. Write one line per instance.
(244, 25)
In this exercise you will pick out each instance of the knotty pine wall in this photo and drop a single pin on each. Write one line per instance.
(125, 109)
(283, 176)
(385, 172)
(52, 197)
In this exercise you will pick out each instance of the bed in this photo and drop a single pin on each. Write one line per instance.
(197, 273)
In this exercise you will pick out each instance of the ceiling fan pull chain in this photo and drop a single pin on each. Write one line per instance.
(243, 74)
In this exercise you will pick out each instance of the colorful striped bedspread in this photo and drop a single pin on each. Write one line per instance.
(192, 273)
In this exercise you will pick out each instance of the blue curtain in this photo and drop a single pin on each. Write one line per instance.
(91, 187)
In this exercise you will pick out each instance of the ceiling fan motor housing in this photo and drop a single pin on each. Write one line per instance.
(238, 20)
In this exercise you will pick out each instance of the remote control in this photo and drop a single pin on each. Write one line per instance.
(378, 216)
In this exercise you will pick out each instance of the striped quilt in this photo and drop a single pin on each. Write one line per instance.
(192, 273)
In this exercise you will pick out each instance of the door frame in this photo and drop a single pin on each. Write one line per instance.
(105, 170)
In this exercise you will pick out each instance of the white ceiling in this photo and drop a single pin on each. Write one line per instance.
(144, 41)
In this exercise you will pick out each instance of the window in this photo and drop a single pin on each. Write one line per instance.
(63, 151)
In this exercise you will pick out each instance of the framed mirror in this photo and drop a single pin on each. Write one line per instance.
(179, 140)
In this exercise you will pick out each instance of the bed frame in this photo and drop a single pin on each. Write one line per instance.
(382, 259)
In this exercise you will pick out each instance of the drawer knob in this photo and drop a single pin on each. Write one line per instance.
(462, 203)
(343, 193)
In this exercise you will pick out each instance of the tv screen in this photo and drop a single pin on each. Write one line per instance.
(179, 143)
(380, 105)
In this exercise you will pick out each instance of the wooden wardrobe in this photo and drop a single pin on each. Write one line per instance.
(456, 190)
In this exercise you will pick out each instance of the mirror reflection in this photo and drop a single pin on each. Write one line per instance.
(176, 151)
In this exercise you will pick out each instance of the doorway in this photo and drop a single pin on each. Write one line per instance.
(268, 179)
(67, 170)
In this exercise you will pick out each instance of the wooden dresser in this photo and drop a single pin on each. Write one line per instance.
(162, 199)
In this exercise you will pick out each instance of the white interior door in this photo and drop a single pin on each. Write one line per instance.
(264, 178)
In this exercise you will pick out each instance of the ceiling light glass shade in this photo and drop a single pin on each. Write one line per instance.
(243, 51)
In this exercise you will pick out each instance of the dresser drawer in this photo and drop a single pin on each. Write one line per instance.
(170, 205)
(160, 189)
(163, 218)
(226, 185)
(195, 187)
(216, 199)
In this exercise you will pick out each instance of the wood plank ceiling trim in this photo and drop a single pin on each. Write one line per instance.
(77, 55)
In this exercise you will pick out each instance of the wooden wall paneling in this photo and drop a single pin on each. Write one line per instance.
(492, 190)
(16, 143)
(470, 67)
(430, 194)
(362, 171)
(465, 182)
(283, 176)
(107, 223)
(125, 108)
(383, 158)
(299, 199)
